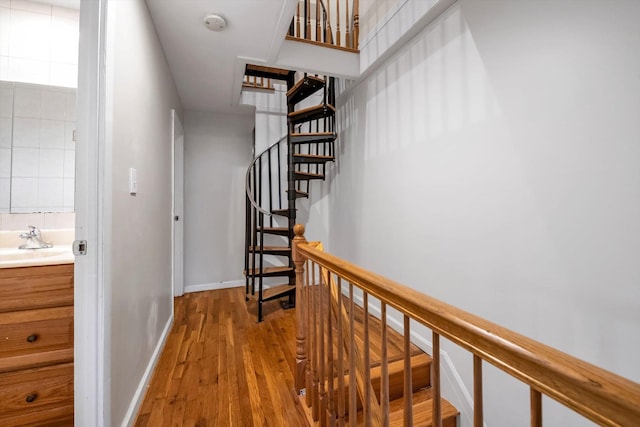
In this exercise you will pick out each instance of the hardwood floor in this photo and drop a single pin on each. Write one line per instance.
(220, 367)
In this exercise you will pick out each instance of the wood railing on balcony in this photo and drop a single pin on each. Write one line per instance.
(331, 23)
(327, 287)
(253, 82)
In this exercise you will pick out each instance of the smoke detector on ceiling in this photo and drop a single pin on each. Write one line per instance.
(215, 22)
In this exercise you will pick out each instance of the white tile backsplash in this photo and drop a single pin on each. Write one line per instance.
(21, 221)
(24, 194)
(44, 221)
(27, 101)
(51, 163)
(5, 132)
(26, 162)
(52, 134)
(53, 105)
(5, 163)
(57, 220)
(26, 132)
(5, 3)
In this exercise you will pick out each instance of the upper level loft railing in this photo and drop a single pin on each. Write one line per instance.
(327, 288)
(331, 23)
(254, 82)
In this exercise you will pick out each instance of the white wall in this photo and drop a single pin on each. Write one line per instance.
(270, 114)
(493, 162)
(217, 153)
(140, 96)
(38, 43)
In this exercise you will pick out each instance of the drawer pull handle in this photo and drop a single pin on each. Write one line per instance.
(31, 397)
(32, 338)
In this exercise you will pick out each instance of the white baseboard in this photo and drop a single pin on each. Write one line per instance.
(132, 412)
(214, 286)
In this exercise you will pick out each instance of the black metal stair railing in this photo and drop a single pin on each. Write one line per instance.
(264, 196)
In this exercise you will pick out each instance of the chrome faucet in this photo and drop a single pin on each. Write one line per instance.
(34, 239)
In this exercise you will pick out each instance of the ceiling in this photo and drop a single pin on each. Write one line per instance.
(208, 66)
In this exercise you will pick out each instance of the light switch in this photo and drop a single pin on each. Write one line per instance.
(133, 181)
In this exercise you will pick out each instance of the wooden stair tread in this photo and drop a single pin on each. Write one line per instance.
(305, 176)
(272, 250)
(307, 137)
(312, 113)
(270, 271)
(273, 292)
(422, 411)
(304, 88)
(280, 231)
(267, 72)
(312, 158)
(420, 377)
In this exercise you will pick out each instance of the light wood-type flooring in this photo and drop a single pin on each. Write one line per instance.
(221, 368)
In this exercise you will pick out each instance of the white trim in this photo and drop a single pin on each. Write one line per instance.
(138, 397)
(177, 129)
(214, 286)
(91, 391)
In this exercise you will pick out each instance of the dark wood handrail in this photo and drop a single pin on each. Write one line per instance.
(597, 394)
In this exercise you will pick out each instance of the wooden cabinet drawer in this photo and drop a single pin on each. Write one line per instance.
(36, 337)
(41, 396)
(24, 288)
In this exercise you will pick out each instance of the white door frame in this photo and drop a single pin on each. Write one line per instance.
(92, 206)
(177, 216)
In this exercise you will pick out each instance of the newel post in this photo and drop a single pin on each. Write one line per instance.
(301, 354)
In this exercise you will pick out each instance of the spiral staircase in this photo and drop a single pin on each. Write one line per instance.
(280, 175)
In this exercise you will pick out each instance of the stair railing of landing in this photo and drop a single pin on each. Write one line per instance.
(286, 169)
(330, 23)
(335, 295)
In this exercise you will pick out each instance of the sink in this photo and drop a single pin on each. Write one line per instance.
(14, 254)
(27, 257)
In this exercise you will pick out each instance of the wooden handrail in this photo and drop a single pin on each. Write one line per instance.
(597, 394)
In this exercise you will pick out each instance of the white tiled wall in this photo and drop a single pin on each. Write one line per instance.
(37, 171)
(11, 222)
(38, 43)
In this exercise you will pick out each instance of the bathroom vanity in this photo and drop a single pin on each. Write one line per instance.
(36, 337)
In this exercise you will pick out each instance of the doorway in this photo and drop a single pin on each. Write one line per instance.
(178, 206)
